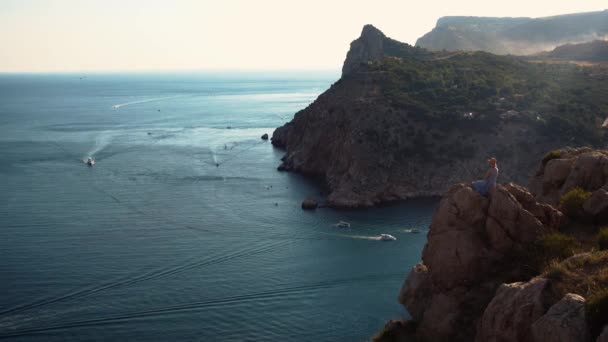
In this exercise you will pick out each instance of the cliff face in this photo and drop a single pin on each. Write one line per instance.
(519, 36)
(490, 270)
(471, 249)
(408, 123)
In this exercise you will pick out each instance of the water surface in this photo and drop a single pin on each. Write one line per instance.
(183, 230)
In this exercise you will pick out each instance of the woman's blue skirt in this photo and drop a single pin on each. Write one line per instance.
(481, 186)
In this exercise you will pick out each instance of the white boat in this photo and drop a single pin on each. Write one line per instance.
(387, 237)
(342, 224)
(413, 230)
(90, 161)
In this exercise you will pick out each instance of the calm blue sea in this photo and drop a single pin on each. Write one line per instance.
(183, 230)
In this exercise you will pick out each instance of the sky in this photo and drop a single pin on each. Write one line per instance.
(140, 35)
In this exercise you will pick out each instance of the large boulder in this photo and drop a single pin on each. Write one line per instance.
(510, 314)
(310, 204)
(596, 206)
(603, 336)
(564, 322)
(467, 257)
(568, 168)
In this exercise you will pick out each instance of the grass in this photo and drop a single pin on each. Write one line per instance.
(555, 154)
(596, 311)
(572, 202)
(586, 275)
(602, 239)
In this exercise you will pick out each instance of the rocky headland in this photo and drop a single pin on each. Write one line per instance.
(405, 122)
(511, 266)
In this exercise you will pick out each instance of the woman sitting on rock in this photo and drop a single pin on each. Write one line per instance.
(489, 180)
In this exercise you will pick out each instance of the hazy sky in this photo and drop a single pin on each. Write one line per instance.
(84, 35)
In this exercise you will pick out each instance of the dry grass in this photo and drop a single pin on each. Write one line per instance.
(584, 274)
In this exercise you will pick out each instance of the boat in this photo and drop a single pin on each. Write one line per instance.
(90, 161)
(387, 237)
(342, 224)
(413, 230)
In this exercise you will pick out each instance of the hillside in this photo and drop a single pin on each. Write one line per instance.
(517, 36)
(595, 51)
(410, 123)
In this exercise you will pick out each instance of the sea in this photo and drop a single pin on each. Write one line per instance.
(183, 230)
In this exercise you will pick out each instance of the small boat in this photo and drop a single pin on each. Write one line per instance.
(387, 237)
(342, 224)
(90, 161)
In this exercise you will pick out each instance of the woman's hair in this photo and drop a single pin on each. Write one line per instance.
(493, 161)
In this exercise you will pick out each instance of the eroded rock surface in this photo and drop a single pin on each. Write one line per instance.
(468, 256)
(564, 322)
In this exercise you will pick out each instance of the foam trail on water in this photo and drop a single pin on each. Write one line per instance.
(101, 141)
(116, 106)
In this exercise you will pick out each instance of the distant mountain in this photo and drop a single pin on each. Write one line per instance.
(595, 51)
(518, 36)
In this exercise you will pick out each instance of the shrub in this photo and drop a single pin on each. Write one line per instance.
(557, 246)
(602, 239)
(555, 154)
(572, 202)
(596, 311)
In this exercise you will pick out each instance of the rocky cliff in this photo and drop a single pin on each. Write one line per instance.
(519, 36)
(491, 269)
(404, 122)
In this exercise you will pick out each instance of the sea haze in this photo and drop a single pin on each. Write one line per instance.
(183, 230)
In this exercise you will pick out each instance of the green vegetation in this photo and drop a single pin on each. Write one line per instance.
(586, 275)
(572, 202)
(555, 154)
(596, 311)
(557, 246)
(602, 239)
(558, 100)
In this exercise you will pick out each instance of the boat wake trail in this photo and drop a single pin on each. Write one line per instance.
(155, 275)
(101, 142)
(156, 99)
(279, 293)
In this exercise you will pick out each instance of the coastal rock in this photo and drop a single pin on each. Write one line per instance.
(596, 206)
(570, 168)
(564, 322)
(396, 331)
(510, 314)
(265, 136)
(310, 204)
(603, 336)
(467, 257)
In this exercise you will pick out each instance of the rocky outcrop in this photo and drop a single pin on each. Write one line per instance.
(568, 168)
(368, 47)
(517, 36)
(468, 256)
(563, 322)
(603, 336)
(310, 204)
(510, 314)
(389, 130)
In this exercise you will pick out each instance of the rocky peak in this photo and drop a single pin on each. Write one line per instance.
(368, 47)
